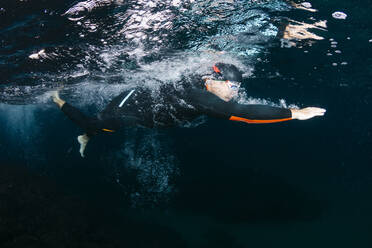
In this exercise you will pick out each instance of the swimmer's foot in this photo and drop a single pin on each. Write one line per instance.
(83, 141)
(57, 99)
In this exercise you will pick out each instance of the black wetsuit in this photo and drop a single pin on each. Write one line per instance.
(169, 106)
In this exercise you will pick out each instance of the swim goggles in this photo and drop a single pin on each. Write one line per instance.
(233, 85)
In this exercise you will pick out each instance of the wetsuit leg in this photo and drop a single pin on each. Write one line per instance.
(90, 125)
(93, 126)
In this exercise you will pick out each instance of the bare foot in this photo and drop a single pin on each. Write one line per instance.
(83, 141)
(57, 99)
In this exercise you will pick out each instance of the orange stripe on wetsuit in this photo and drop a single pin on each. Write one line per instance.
(236, 118)
(108, 130)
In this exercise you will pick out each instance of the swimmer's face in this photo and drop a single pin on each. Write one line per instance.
(225, 90)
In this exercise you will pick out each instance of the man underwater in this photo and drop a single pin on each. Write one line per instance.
(135, 107)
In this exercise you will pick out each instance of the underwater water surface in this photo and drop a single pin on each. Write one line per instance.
(211, 183)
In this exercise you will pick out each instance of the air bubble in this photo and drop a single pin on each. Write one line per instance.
(334, 64)
(329, 54)
(306, 4)
(337, 51)
(334, 43)
(344, 63)
(339, 15)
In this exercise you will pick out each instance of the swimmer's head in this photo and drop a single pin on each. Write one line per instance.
(229, 72)
(224, 82)
(226, 90)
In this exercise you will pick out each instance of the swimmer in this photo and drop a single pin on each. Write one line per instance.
(213, 96)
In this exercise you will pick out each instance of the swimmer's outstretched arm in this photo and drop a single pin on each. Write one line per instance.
(269, 114)
(212, 105)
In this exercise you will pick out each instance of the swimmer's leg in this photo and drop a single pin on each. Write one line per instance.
(74, 114)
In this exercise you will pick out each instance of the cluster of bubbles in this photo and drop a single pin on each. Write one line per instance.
(146, 155)
(334, 44)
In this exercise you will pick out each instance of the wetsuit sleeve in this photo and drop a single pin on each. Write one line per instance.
(212, 105)
(259, 113)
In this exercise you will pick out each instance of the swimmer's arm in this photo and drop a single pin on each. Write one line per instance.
(253, 113)
(269, 114)
(212, 105)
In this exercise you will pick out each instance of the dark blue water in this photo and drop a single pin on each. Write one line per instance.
(214, 184)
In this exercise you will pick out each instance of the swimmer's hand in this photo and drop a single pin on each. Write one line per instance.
(307, 113)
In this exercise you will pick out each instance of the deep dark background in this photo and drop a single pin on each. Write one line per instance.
(295, 184)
